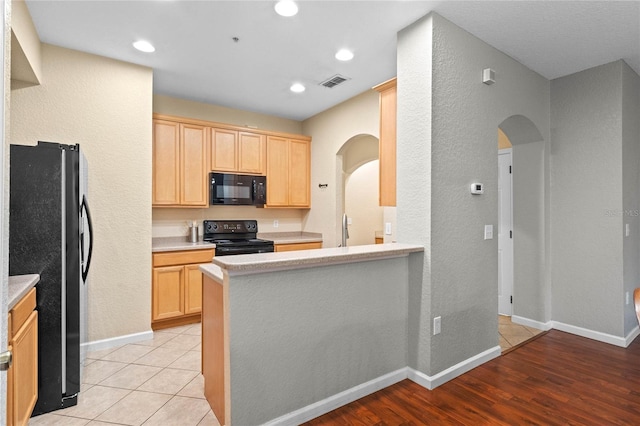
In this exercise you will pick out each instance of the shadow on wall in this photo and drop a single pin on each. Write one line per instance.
(357, 196)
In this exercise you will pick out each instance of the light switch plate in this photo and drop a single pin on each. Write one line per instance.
(387, 228)
(488, 232)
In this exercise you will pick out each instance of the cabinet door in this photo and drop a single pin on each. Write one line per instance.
(388, 145)
(193, 170)
(25, 370)
(224, 148)
(192, 289)
(277, 172)
(168, 292)
(299, 173)
(166, 163)
(251, 153)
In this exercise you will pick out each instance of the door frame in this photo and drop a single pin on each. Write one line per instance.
(509, 268)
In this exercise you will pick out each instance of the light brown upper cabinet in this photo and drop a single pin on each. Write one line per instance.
(288, 172)
(239, 152)
(180, 153)
(388, 108)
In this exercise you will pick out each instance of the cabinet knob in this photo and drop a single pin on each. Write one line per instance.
(6, 358)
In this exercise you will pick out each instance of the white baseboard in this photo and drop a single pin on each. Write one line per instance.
(579, 331)
(338, 400)
(431, 382)
(544, 326)
(632, 335)
(98, 345)
(591, 334)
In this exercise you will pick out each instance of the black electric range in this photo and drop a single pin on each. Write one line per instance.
(235, 237)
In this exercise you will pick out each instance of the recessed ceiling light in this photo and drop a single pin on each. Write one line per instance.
(344, 55)
(286, 8)
(297, 88)
(144, 46)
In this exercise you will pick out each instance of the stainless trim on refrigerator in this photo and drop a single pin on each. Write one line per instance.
(63, 324)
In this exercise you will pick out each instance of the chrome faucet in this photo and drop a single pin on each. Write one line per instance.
(345, 231)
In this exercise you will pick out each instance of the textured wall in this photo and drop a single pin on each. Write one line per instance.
(341, 326)
(413, 196)
(105, 106)
(447, 123)
(587, 199)
(530, 289)
(631, 187)
(330, 130)
(198, 110)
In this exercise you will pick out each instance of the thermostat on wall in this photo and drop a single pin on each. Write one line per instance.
(477, 188)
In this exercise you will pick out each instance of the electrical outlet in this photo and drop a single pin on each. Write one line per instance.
(275, 223)
(437, 322)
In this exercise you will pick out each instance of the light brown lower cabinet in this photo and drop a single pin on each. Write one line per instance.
(22, 380)
(176, 291)
(297, 246)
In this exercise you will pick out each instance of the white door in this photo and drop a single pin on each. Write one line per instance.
(505, 235)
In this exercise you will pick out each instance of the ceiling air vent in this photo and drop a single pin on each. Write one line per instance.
(334, 81)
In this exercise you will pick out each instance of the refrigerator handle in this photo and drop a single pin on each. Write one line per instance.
(85, 269)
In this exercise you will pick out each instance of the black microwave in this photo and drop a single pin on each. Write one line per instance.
(232, 189)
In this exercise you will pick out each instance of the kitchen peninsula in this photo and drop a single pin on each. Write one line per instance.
(288, 336)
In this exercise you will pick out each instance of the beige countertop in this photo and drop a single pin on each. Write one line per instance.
(161, 244)
(264, 262)
(19, 286)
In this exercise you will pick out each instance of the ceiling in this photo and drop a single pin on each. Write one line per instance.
(196, 57)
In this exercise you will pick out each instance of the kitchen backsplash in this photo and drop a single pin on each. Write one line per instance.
(174, 222)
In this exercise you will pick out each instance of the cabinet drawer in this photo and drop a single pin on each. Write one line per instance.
(297, 246)
(22, 310)
(182, 257)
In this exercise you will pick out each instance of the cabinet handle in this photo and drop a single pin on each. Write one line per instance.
(6, 358)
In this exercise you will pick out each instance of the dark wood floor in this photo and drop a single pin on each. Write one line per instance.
(557, 379)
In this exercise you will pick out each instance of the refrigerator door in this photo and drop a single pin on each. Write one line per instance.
(43, 239)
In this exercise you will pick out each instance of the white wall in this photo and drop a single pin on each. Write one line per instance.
(330, 130)
(587, 199)
(105, 106)
(630, 187)
(447, 121)
(362, 204)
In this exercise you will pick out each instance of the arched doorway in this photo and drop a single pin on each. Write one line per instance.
(357, 193)
(529, 215)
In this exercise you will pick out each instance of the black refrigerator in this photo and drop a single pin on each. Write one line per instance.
(50, 234)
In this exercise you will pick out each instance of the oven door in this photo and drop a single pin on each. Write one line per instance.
(231, 250)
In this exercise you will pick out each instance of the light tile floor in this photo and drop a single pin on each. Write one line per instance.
(154, 382)
(512, 334)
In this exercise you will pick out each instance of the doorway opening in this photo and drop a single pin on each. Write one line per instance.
(357, 195)
(523, 300)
